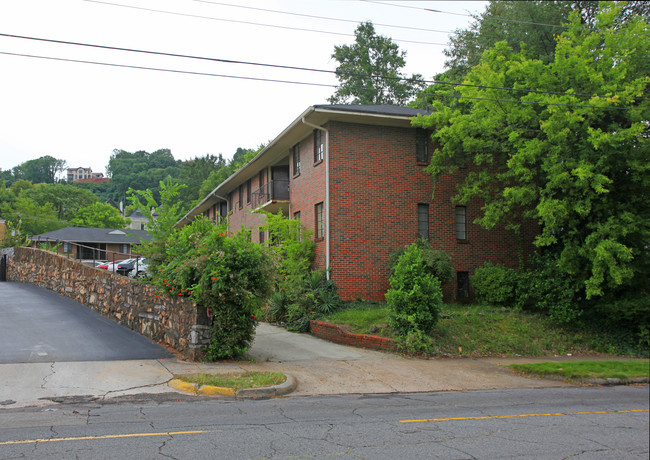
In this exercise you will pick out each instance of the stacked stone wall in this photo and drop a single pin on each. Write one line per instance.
(177, 323)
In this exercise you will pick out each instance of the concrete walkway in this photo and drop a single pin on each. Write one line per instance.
(320, 367)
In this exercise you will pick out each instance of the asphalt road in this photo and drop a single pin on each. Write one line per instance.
(545, 423)
(39, 326)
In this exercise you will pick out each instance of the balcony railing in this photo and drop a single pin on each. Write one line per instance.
(275, 190)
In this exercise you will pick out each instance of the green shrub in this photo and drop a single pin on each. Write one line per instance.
(438, 263)
(551, 290)
(223, 272)
(414, 300)
(496, 284)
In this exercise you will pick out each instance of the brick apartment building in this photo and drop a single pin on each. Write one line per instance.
(355, 176)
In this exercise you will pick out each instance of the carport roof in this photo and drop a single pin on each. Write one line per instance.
(95, 235)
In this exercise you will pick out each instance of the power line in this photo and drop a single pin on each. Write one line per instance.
(235, 21)
(491, 18)
(230, 61)
(310, 83)
(326, 18)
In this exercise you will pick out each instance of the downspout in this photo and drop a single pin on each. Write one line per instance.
(327, 194)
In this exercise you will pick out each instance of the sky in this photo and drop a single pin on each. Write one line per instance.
(81, 112)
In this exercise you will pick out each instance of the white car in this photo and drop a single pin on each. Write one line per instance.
(140, 268)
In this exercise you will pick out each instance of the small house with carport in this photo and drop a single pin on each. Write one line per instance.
(355, 175)
(92, 243)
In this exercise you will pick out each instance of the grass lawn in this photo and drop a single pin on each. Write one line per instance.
(481, 331)
(581, 370)
(236, 381)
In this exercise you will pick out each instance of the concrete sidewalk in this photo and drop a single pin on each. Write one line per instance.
(320, 367)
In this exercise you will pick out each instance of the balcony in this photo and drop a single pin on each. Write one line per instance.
(272, 197)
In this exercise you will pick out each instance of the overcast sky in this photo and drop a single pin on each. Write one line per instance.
(81, 112)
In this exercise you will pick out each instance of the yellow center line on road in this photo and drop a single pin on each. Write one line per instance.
(488, 417)
(107, 436)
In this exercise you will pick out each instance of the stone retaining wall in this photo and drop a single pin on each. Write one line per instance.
(174, 322)
(339, 334)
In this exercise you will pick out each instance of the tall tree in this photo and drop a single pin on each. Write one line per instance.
(370, 71)
(140, 170)
(570, 150)
(194, 172)
(529, 25)
(100, 215)
(40, 170)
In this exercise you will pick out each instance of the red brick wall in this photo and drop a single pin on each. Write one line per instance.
(308, 189)
(376, 185)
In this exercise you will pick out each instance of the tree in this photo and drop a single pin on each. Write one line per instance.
(65, 199)
(569, 152)
(140, 170)
(528, 25)
(369, 71)
(218, 175)
(194, 172)
(100, 215)
(40, 170)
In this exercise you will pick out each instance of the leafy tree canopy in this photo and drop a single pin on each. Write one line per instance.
(525, 26)
(370, 71)
(220, 174)
(100, 215)
(572, 156)
(140, 170)
(40, 170)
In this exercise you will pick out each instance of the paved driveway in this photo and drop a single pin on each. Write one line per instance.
(38, 326)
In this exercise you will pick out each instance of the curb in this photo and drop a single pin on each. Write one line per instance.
(284, 388)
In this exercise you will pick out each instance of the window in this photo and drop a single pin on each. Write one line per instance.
(248, 191)
(461, 223)
(240, 201)
(462, 285)
(261, 178)
(318, 146)
(296, 216)
(295, 155)
(320, 227)
(124, 248)
(423, 220)
(67, 248)
(261, 236)
(422, 146)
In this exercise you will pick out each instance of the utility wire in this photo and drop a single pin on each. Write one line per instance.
(251, 23)
(491, 18)
(277, 66)
(312, 84)
(326, 18)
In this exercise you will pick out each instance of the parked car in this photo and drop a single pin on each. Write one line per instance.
(131, 267)
(111, 266)
(140, 269)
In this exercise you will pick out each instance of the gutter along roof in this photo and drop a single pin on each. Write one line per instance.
(278, 148)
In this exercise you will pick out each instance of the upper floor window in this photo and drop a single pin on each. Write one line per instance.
(422, 146)
(67, 247)
(248, 191)
(295, 157)
(240, 198)
(461, 223)
(423, 220)
(319, 148)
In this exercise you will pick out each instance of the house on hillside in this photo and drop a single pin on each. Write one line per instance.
(355, 175)
(92, 243)
(77, 174)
